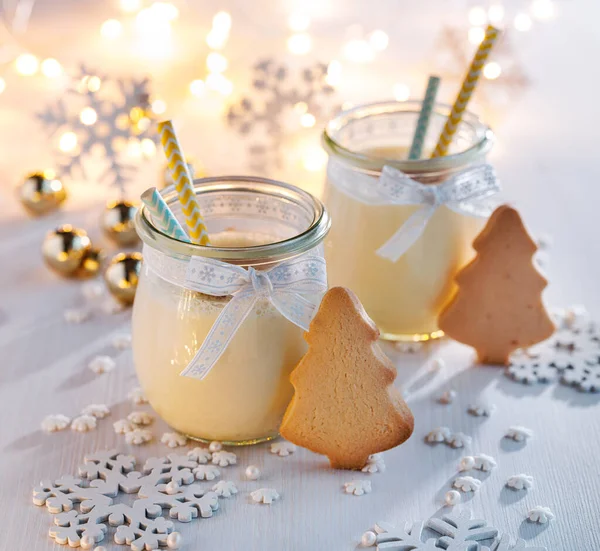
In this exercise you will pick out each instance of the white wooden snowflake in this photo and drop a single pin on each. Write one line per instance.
(225, 488)
(207, 472)
(99, 411)
(102, 364)
(103, 112)
(142, 418)
(137, 396)
(201, 455)
(279, 96)
(283, 448)
(82, 505)
(466, 484)
(529, 367)
(137, 437)
(173, 439)
(55, 422)
(224, 458)
(520, 482)
(539, 514)
(264, 495)
(481, 409)
(375, 464)
(518, 433)
(358, 487)
(83, 423)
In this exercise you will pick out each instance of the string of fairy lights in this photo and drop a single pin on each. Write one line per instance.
(150, 25)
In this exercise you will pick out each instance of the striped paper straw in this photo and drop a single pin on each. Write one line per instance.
(468, 86)
(416, 149)
(162, 215)
(183, 183)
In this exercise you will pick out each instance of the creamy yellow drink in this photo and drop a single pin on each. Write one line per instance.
(244, 396)
(403, 297)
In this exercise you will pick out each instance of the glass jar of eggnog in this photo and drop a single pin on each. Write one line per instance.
(255, 225)
(403, 296)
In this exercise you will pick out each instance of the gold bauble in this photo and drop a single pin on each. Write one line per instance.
(90, 264)
(41, 192)
(65, 248)
(122, 276)
(196, 171)
(117, 222)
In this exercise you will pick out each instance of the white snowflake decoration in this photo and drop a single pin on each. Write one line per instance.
(572, 355)
(174, 439)
(83, 423)
(82, 505)
(99, 411)
(375, 464)
(77, 315)
(137, 396)
(207, 472)
(466, 484)
(201, 455)
(224, 458)
(520, 482)
(283, 448)
(263, 119)
(485, 462)
(539, 514)
(225, 488)
(142, 418)
(358, 487)
(264, 495)
(117, 112)
(123, 426)
(438, 435)
(102, 364)
(518, 433)
(481, 409)
(458, 440)
(55, 422)
(137, 437)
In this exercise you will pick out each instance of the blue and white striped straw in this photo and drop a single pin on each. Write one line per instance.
(162, 215)
(416, 149)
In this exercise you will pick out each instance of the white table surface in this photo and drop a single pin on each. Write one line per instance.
(547, 158)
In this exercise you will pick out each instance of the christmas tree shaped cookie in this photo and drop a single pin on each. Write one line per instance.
(345, 406)
(498, 307)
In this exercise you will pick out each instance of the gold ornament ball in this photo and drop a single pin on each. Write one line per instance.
(118, 224)
(41, 192)
(122, 276)
(65, 248)
(90, 264)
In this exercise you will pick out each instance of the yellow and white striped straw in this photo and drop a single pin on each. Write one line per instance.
(466, 91)
(183, 183)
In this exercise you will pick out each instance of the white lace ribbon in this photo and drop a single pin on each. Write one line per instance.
(466, 192)
(294, 288)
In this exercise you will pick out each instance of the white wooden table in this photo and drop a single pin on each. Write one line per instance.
(547, 158)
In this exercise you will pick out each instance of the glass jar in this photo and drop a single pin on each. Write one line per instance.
(404, 297)
(252, 222)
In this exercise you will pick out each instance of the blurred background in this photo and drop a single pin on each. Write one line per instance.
(251, 84)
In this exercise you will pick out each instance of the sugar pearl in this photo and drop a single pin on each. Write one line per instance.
(452, 497)
(368, 539)
(174, 540)
(87, 542)
(215, 446)
(467, 463)
(252, 472)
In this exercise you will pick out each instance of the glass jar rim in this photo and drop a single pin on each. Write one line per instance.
(376, 164)
(257, 254)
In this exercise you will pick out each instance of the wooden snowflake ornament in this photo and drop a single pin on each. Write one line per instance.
(498, 307)
(345, 406)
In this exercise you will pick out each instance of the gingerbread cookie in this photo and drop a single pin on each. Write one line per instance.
(345, 406)
(498, 306)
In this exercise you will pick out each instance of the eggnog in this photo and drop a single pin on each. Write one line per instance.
(402, 297)
(243, 398)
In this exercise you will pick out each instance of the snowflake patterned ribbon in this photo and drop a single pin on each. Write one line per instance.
(294, 288)
(466, 192)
